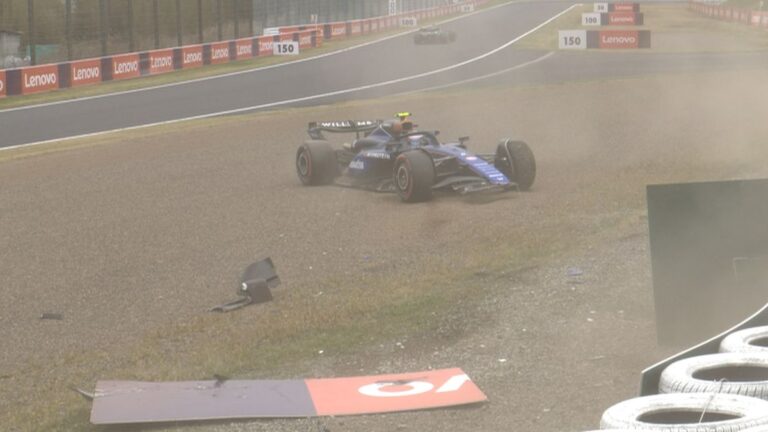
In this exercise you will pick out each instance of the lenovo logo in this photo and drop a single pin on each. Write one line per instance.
(42, 80)
(86, 74)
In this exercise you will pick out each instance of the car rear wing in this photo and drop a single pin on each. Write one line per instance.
(316, 129)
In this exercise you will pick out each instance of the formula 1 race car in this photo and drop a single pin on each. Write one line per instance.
(391, 156)
(433, 34)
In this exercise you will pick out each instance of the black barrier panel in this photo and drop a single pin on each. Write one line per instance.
(593, 39)
(106, 68)
(178, 59)
(13, 82)
(65, 75)
(644, 40)
(639, 19)
(207, 54)
(232, 50)
(326, 31)
(144, 65)
(701, 236)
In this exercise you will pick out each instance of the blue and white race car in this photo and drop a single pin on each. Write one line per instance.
(391, 156)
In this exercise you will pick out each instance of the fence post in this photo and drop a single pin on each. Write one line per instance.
(31, 30)
(200, 21)
(131, 41)
(236, 16)
(156, 13)
(68, 29)
(250, 14)
(103, 26)
(179, 38)
(219, 33)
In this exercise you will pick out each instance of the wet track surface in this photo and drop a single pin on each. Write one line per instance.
(391, 66)
(383, 61)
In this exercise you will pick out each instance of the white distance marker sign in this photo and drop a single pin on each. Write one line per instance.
(572, 39)
(601, 7)
(590, 19)
(285, 48)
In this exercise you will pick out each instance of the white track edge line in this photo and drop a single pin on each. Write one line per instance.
(301, 99)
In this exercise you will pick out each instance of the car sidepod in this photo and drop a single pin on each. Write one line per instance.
(371, 164)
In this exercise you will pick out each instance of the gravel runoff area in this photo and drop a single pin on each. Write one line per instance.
(148, 230)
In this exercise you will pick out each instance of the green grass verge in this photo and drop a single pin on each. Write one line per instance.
(272, 340)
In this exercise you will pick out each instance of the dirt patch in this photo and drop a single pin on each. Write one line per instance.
(132, 241)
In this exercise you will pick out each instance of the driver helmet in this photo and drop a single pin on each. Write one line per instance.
(407, 124)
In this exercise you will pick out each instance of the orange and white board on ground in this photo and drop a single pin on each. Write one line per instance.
(126, 402)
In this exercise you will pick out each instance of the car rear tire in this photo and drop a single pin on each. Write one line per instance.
(414, 175)
(516, 161)
(316, 163)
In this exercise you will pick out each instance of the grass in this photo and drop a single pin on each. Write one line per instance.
(663, 21)
(269, 340)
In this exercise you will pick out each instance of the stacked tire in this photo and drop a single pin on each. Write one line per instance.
(723, 392)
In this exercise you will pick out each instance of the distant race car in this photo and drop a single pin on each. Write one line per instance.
(390, 156)
(433, 34)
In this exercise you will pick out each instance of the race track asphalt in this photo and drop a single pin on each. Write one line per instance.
(387, 60)
(361, 73)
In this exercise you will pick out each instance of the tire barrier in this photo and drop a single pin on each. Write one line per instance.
(743, 374)
(604, 39)
(687, 412)
(751, 340)
(42, 78)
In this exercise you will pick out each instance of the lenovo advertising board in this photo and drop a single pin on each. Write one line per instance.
(37, 79)
(84, 72)
(623, 39)
(160, 61)
(125, 66)
(219, 53)
(265, 44)
(243, 48)
(305, 38)
(192, 56)
(625, 18)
